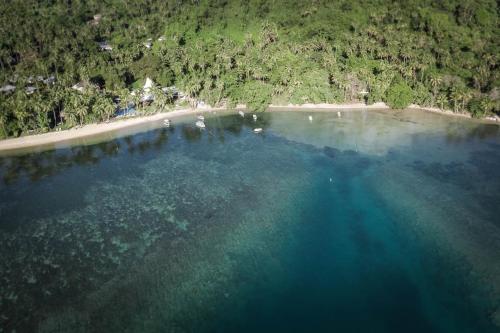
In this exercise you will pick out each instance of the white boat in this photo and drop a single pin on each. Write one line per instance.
(257, 130)
(166, 122)
(241, 113)
(254, 117)
(339, 114)
(310, 118)
(201, 118)
(200, 124)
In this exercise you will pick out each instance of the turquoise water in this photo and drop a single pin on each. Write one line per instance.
(371, 222)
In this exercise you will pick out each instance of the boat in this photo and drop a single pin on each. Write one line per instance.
(166, 122)
(241, 113)
(339, 114)
(200, 124)
(254, 117)
(311, 118)
(257, 130)
(200, 117)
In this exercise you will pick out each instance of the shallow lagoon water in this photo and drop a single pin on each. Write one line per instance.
(372, 222)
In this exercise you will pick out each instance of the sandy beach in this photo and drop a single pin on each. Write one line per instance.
(92, 129)
(326, 106)
(117, 124)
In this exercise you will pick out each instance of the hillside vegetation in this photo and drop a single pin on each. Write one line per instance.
(432, 53)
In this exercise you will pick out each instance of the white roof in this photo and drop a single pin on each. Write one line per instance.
(146, 96)
(105, 46)
(7, 88)
(51, 79)
(148, 85)
(30, 90)
(79, 86)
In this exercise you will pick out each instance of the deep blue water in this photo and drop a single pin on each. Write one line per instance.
(371, 222)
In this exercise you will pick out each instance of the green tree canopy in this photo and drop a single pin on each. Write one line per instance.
(399, 95)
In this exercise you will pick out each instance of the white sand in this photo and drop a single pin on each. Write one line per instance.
(325, 106)
(440, 111)
(91, 129)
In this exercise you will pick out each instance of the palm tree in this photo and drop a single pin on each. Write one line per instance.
(219, 86)
(465, 98)
(161, 99)
(422, 67)
(435, 81)
(57, 97)
(104, 107)
(135, 98)
(456, 96)
(490, 60)
(20, 113)
(123, 95)
(407, 72)
(441, 100)
(192, 89)
(481, 77)
(3, 122)
(40, 108)
(78, 106)
(486, 105)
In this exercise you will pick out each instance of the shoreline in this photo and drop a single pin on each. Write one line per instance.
(326, 106)
(90, 130)
(443, 112)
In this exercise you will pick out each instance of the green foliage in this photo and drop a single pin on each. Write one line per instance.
(256, 95)
(399, 95)
(421, 95)
(475, 108)
(479, 107)
(241, 51)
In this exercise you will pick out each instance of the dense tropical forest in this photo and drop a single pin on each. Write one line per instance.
(70, 62)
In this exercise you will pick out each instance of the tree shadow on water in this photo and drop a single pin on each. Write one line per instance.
(36, 166)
